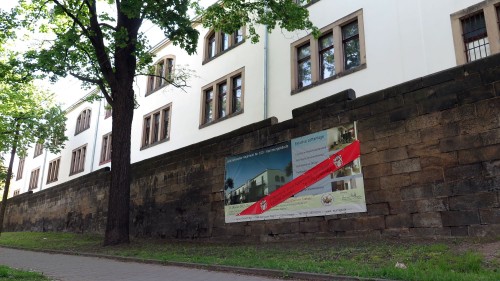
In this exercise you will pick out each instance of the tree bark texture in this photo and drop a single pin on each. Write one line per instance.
(7, 180)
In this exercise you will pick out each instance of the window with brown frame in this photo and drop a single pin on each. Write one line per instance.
(20, 169)
(156, 127)
(105, 149)
(217, 43)
(53, 173)
(222, 98)
(108, 110)
(83, 121)
(163, 74)
(16, 192)
(78, 160)
(38, 149)
(339, 50)
(476, 31)
(34, 179)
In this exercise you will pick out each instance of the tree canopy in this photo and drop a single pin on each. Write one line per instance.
(101, 43)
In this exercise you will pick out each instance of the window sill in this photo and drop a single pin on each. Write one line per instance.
(156, 90)
(104, 162)
(207, 60)
(151, 145)
(334, 77)
(77, 133)
(77, 172)
(49, 182)
(220, 119)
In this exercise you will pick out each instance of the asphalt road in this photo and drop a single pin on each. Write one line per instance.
(77, 268)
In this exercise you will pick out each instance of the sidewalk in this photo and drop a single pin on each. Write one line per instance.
(79, 268)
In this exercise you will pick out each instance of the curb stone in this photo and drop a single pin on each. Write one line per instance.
(272, 273)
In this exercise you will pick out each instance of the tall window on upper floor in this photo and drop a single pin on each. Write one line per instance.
(156, 127)
(217, 43)
(78, 160)
(108, 111)
(340, 50)
(53, 173)
(476, 31)
(105, 149)
(34, 179)
(222, 98)
(20, 169)
(38, 149)
(83, 121)
(163, 74)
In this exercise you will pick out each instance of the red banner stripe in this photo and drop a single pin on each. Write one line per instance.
(318, 172)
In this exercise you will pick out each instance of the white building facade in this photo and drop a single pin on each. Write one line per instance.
(365, 45)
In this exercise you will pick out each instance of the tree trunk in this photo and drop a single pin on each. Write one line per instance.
(117, 227)
(7, 180)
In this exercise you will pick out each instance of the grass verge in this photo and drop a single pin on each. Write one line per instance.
(426, 260)
(7, 273)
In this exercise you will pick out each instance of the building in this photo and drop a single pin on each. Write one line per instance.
(365, 45)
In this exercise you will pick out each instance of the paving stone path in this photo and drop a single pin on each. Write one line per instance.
(76, 268)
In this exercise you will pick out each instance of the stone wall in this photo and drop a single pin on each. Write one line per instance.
(430, 154)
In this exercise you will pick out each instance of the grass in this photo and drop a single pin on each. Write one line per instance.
(7, 273)
(447, 260)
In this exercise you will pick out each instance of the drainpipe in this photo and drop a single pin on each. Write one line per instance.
(43, 168)
(95, 136)
(266, 49)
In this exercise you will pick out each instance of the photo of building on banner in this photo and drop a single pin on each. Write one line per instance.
(253, 177)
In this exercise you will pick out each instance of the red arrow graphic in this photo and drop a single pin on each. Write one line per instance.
(316, 173)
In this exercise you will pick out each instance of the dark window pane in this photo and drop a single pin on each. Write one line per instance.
(304, 66)
(236, 104)
(170, 69)
(208, 105)
(224, 41)
(303, 52)
(156, 127)
(326, 56)
(222, 102)
(166, 119)
(147, 130)
(238, 36)
(350, 42)
(475, 37)
(211, 46)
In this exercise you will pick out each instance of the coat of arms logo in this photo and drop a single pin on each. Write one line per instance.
(338, 161)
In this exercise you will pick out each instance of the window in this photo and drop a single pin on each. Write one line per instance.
(223, 98)
(476, 31)
(108, 110)
(105, 149)
(38, 149)
(34, 179)
(350, 45)
(340, 50)
(20, 169)
(53, 173)
(17, 192)
(163, 74)
(156, 127)
(83, 121)
(217, 43)
(78, 160)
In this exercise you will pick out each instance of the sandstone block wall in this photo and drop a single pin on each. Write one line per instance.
(430, 154)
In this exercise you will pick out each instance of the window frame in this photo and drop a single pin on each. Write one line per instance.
(155, 82)
(20, 168)
(335, 29)
(38, 150)
(80, 166)
(218, 43)
(83, 121)
(105, 156)
(163, 135)
(16, 192)
(491, 17)
(215, 101)
(35, 175)
(108, 110)
(53, 170)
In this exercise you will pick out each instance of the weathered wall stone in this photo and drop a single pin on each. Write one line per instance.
(430, 150)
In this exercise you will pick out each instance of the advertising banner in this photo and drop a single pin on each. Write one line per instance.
(314, 175)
